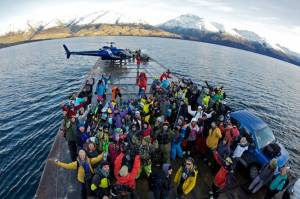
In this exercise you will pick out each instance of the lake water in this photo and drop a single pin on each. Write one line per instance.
(36, 77)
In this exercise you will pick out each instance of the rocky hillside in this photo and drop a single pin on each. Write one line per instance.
(37, 34)
(193, 27)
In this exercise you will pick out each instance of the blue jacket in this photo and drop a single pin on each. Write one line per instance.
(100, 90)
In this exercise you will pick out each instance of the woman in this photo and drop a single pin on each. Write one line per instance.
(265, 175)
(186, 177)
(83, 164)
(278, 183)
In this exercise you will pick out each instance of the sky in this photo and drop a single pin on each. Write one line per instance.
(278, 21)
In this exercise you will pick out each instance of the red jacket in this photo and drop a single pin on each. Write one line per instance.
(231, 134)
(147, 131)
(142, 83)
(164, 75)
(221, 177)
(130, 178)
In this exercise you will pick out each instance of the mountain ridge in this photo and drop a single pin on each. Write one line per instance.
(188, 26)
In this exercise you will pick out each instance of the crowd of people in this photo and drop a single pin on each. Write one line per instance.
(116, 141)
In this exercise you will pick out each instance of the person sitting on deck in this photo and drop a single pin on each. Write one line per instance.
(186, 177)
(85, 171)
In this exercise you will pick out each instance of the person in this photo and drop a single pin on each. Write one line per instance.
(222, 179)
(191, 134)
(115, 92)
(146, 149)
(165, 75)
(231, 132)
(293, 191)
(214, 135)
(278, 183)
(164, 137)
(101, 181)
(72, 137)
(176, 149)
(239, 150)
(142, 83)
(223, 151)
(124, 178)
(100, 89)
(160, 182)
(84, 166)
(265, 175)
(186, 177)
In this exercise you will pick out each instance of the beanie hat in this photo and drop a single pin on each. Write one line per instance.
(123, 171)
(273, 163)
(166, 167)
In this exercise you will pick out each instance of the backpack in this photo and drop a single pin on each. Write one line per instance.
(272, 150)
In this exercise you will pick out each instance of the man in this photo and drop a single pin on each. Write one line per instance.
(101, 181)
(160, 182)
(71, 136)
(164, 136)
(186, 177)
(214, 135)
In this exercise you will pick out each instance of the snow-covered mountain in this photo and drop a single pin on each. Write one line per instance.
(195, 22)
(101, 17)
(196, 28)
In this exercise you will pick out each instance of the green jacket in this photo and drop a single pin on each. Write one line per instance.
(71, 132)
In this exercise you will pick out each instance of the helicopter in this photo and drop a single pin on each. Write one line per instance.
(108, 52)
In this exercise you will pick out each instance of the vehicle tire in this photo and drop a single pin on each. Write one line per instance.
(253, 171)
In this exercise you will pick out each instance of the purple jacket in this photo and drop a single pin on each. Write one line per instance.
(117, 118)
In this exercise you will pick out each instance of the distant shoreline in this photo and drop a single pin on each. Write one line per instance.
(167, 37)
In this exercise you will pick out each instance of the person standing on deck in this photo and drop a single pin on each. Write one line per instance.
(214, 135)
(115, 92)
(101, 181)
(222, 179)
(160, 182)
(142, 83)
(164, 137)
(265, 175)
(100, 90)
(71, 136)
(186, 177)
(84, 168)
(278, 183)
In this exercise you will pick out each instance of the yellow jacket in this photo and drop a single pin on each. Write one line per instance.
(213, 138)
(80, 170)
(189, 183)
